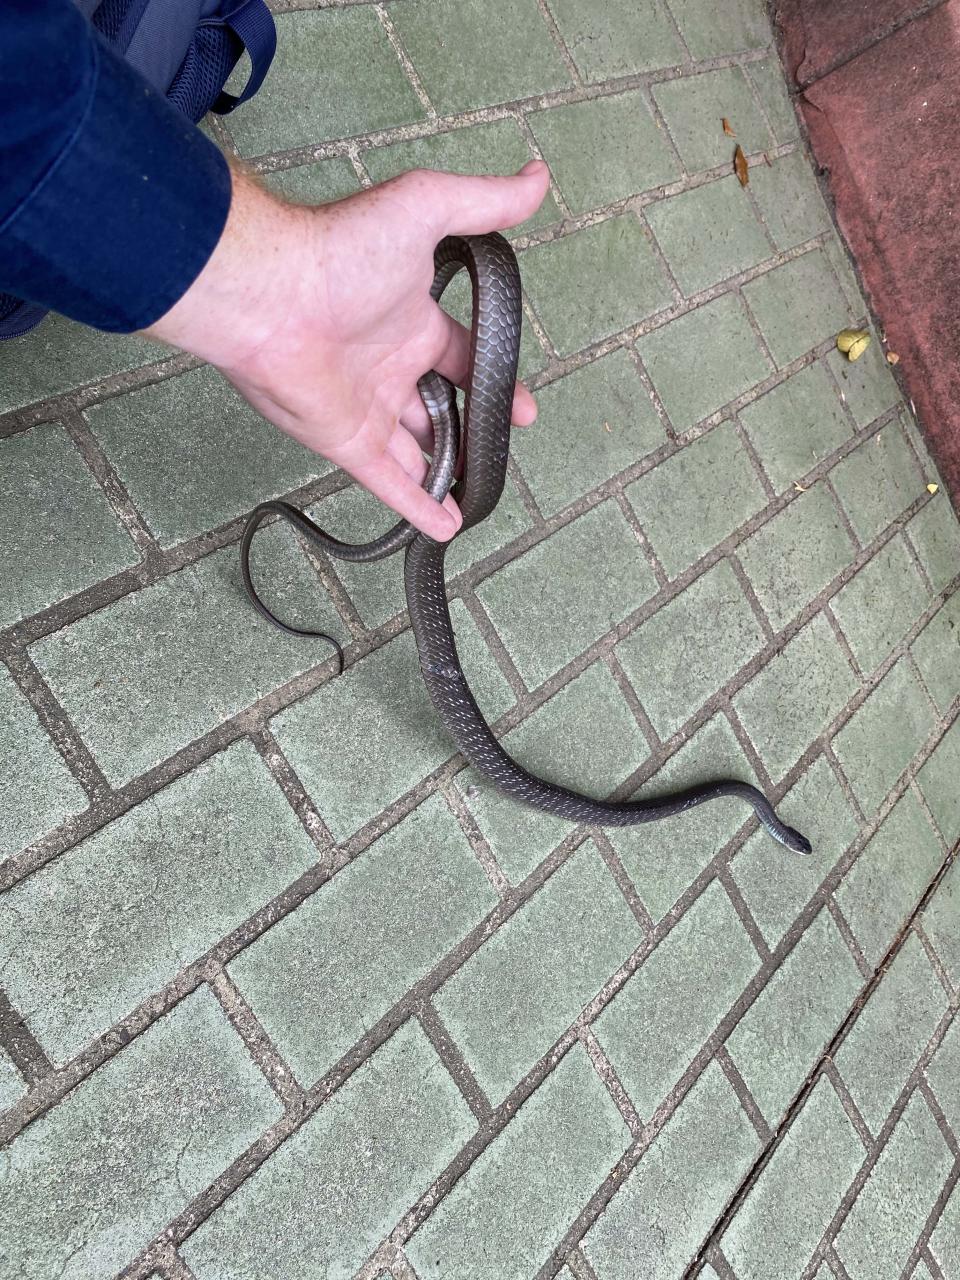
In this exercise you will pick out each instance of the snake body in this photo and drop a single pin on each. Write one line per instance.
(494, 353)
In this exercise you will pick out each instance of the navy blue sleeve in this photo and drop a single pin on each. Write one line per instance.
(111, 202)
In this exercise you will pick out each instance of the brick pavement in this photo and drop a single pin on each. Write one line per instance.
(287, 990)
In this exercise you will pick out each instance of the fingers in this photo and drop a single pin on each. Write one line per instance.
(388, 477)
(453, 360)
(471, 206)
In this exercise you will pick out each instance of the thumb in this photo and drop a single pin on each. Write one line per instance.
(472, 206)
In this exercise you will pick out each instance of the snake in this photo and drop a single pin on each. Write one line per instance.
(472, 464)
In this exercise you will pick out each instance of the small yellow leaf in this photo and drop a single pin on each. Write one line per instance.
(853, 342)
(932, 488)
(800, 488)
(740, 166)
(727, 128)
(892, 358)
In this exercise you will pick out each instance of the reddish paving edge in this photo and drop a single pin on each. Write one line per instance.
(885, 125)
(820, 34)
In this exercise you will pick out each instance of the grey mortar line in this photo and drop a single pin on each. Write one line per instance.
(277, 1072)
(848, 936)
(848, 1103)
(409, 70)
(746, 1099)
(828, 1054)
(457, 804)
(22, 1047)
(453, 1059)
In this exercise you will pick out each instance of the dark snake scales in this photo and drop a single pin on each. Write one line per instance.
(494, 352)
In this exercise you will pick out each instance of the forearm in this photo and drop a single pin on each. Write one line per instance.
(111, 202)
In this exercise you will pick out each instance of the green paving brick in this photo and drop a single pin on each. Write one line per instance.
(945, 1239)
(936, 652)
(776, 886)
(935, 533)
(315, 90)
(362, 741)
(222, 841)
(866, 384)
(383, 922)
(618, 38)
(881, 1229)
(471, 53)
(519, 836)
(664, 857)
(796, 425)
(592, 424)
(316, 183)
(57, 531)
(928, 467)
(193, 454)
(663, 1212)
(709, 31)
(938, 782)
(874, 617)
(594, 282)
(145, 676)
(876, 481)
(567, 591)
(604, 149)
(690, 648)
(888, 877)
(677, 501)
(943, 1073)
(61, 354)
(514, 1204)
(767, 75)
(941, 920)
(796, 695)
(553, 956)
(779, 1038)
(789, 200)
(894, 1028)
(797, 306)
(703, 360)
(693, 108)
(791, 1204)
(658, 1022)
(37, 790)
(327, 1197)
(12, 1087)
(95, 1179)
(586, 738)
(708, 234)
(883, 735)
(838, 257)
(794, 556)
(495, 147)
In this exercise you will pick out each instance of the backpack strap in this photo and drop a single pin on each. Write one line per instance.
(252, 23)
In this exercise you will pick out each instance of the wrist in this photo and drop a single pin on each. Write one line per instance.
(247, 288)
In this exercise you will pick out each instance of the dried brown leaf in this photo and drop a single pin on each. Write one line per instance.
(727, 128)
(740, 166)
(892, 358)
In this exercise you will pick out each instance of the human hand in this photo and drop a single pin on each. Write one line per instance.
(322, 318)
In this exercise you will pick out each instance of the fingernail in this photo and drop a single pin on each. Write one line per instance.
(532, 166)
